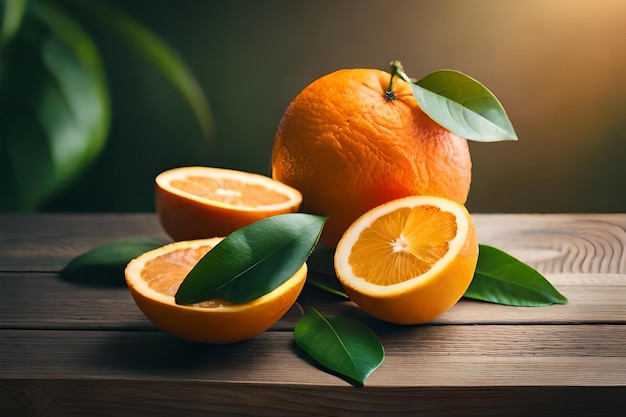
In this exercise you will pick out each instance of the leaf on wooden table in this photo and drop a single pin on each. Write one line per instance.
(503, 279)
(342, 345)
(104, 265)
(253, 260)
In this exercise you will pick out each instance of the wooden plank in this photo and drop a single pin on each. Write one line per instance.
(592, 298)
(552, 243)
(505, 370)
(131, 398)
(39, 300)
(43, 300)
(428, 356)
(47, 242)
(72, 349)
(558, 243)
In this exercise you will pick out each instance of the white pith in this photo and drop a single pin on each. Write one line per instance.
(401, 244)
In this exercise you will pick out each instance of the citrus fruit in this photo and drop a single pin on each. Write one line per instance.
(203, 202)
(154, 277)
(348, 142)
(409, 260)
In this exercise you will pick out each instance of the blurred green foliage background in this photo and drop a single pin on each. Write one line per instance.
(557, 66)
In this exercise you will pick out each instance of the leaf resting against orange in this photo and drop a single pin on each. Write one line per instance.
(409, 260)
(203, 202)
(154, 277)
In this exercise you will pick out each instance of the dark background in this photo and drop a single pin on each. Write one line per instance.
(557, 66)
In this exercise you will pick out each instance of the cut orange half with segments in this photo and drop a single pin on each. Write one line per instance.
(408, 260)
(203, 202)
(154, 277)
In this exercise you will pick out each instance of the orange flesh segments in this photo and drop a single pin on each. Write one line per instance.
(229, 191)
(195, 202)
(402, 245)
(166, 272)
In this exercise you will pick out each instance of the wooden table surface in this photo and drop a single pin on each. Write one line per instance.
(70, 349)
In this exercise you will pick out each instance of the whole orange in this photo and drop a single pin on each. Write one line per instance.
(348, 142)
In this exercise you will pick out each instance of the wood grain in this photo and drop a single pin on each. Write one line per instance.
(47, 242)
(502, 355)
(552, 243)
(431, 370)
(559, 243)
(106, 397)
(45, 301)
(67, 348)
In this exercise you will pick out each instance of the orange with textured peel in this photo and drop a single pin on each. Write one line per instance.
(203, 202)
(349, 143)
(154, 277)
(408, 260)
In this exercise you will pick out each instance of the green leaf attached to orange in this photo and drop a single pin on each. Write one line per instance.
(460, 104)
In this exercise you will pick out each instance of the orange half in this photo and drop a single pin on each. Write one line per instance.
(408, 260)
(203, 202)
(154, 277)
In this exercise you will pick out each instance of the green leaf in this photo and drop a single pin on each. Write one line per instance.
(11, 19)
(339, 344)
(104, 265)
(75, 63)
(54, 110)
(322, 271)
(327, 283)
(161, 56)
(464, 106)
(460, 104)
(500, 278)
(253, 260)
